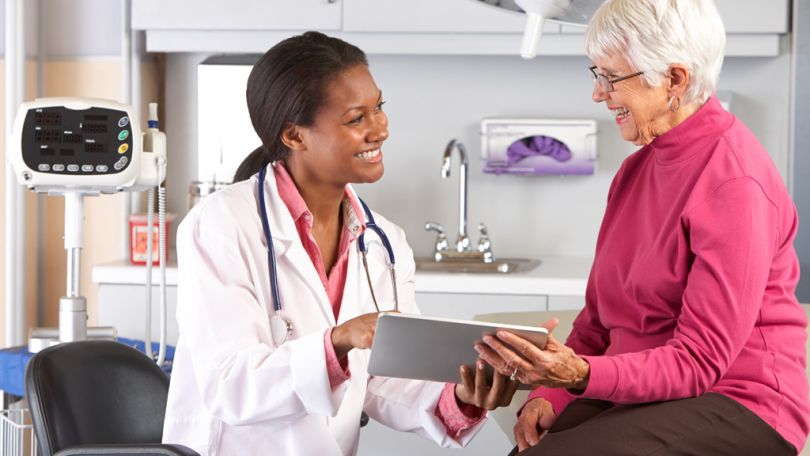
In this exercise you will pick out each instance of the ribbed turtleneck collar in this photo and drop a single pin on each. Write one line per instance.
(691, 136)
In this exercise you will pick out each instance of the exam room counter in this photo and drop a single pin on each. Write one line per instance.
(558, 283)
(556, 275)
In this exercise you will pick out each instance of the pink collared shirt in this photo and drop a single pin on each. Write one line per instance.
(455, 418)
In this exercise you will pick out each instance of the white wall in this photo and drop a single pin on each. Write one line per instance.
(431, 99)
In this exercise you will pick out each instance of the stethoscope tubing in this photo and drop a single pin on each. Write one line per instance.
(271, 254)
(370, 225)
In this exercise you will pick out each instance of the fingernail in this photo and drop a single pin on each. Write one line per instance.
(487, 339)
(477, 348)
(480, 364)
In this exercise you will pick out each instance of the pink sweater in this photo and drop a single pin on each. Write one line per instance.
(692, 286)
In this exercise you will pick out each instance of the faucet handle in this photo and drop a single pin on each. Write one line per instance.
(484, 244)
(433, 226)
(441, 244)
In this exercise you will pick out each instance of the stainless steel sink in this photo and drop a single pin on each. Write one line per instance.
(500, 265)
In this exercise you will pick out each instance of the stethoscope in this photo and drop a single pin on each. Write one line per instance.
(280, 327)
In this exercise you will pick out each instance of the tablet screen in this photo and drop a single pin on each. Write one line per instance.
(432, 348)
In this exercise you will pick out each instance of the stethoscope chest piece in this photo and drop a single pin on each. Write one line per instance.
(280, 329)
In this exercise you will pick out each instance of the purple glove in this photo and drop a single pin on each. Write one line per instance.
(537, 145)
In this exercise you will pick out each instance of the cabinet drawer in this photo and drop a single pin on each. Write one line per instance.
(431, 16)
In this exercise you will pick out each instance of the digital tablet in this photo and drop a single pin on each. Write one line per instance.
(432, 348)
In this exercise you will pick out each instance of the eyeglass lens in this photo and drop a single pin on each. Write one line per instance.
(602, 80)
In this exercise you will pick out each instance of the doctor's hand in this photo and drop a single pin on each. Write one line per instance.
(355, 333)
(475, 390)
(534, 420)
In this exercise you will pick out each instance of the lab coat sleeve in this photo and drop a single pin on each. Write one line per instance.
(410, 405)
(242, 377)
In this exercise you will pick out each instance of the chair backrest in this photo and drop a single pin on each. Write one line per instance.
(95, 392)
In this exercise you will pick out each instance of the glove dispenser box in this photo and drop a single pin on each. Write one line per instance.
(537, 147)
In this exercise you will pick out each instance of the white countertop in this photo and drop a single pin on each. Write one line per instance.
(556, 275)
(122, 272)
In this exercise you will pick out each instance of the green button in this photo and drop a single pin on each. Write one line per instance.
(124, 134)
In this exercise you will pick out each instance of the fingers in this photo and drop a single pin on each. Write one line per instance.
(491, 357)
(496, 390)
(481, 387)
(509, 360)
(467, 380)
(551, 324)
(525, 349)
(501, 391)
(509, 393)
(520, 439)
(529, 427)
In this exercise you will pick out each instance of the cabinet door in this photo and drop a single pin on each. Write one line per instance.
(755, 16)
(236, 15)
(743, 16)
(432, 16)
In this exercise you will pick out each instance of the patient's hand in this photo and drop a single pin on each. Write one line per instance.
(555, 366)
(534, 421)
(475, 390)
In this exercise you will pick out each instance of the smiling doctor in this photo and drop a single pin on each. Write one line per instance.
(272, 354)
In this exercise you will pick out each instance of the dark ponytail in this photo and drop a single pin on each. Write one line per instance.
(287, 86)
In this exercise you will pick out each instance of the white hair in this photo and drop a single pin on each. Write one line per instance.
(654, 34)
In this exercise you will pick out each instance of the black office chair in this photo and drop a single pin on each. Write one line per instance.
(98, 398)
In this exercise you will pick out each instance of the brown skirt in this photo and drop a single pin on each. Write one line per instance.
(712, 424)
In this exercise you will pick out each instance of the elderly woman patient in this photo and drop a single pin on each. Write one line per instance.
(691, 340)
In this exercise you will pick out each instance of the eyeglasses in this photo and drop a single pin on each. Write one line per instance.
(607, 84)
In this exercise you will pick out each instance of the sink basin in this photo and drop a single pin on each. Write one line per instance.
(500, 265)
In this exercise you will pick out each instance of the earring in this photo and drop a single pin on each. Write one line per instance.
(677, 107)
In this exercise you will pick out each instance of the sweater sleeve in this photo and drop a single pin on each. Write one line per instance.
(588, 336)
(733, 234)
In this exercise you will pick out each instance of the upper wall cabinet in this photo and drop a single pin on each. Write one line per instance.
(236, 14)
(431, 16)
(744, 17)
(755, 16)
(439, 27)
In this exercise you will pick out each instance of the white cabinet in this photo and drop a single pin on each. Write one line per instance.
(430, 16)
(755, 16)
(236, 15)
(401, 27)
(123, 307)
(743, 17)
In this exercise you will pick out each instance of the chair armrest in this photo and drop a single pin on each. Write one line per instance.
(146, 449)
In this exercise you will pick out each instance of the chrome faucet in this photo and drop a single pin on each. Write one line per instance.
(462, 250)
(462, 241)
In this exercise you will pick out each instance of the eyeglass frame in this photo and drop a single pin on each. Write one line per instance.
(596, 77)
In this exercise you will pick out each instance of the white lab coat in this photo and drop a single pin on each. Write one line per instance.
(232, 391)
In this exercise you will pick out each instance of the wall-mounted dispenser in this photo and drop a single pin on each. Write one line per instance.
(554, 147)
